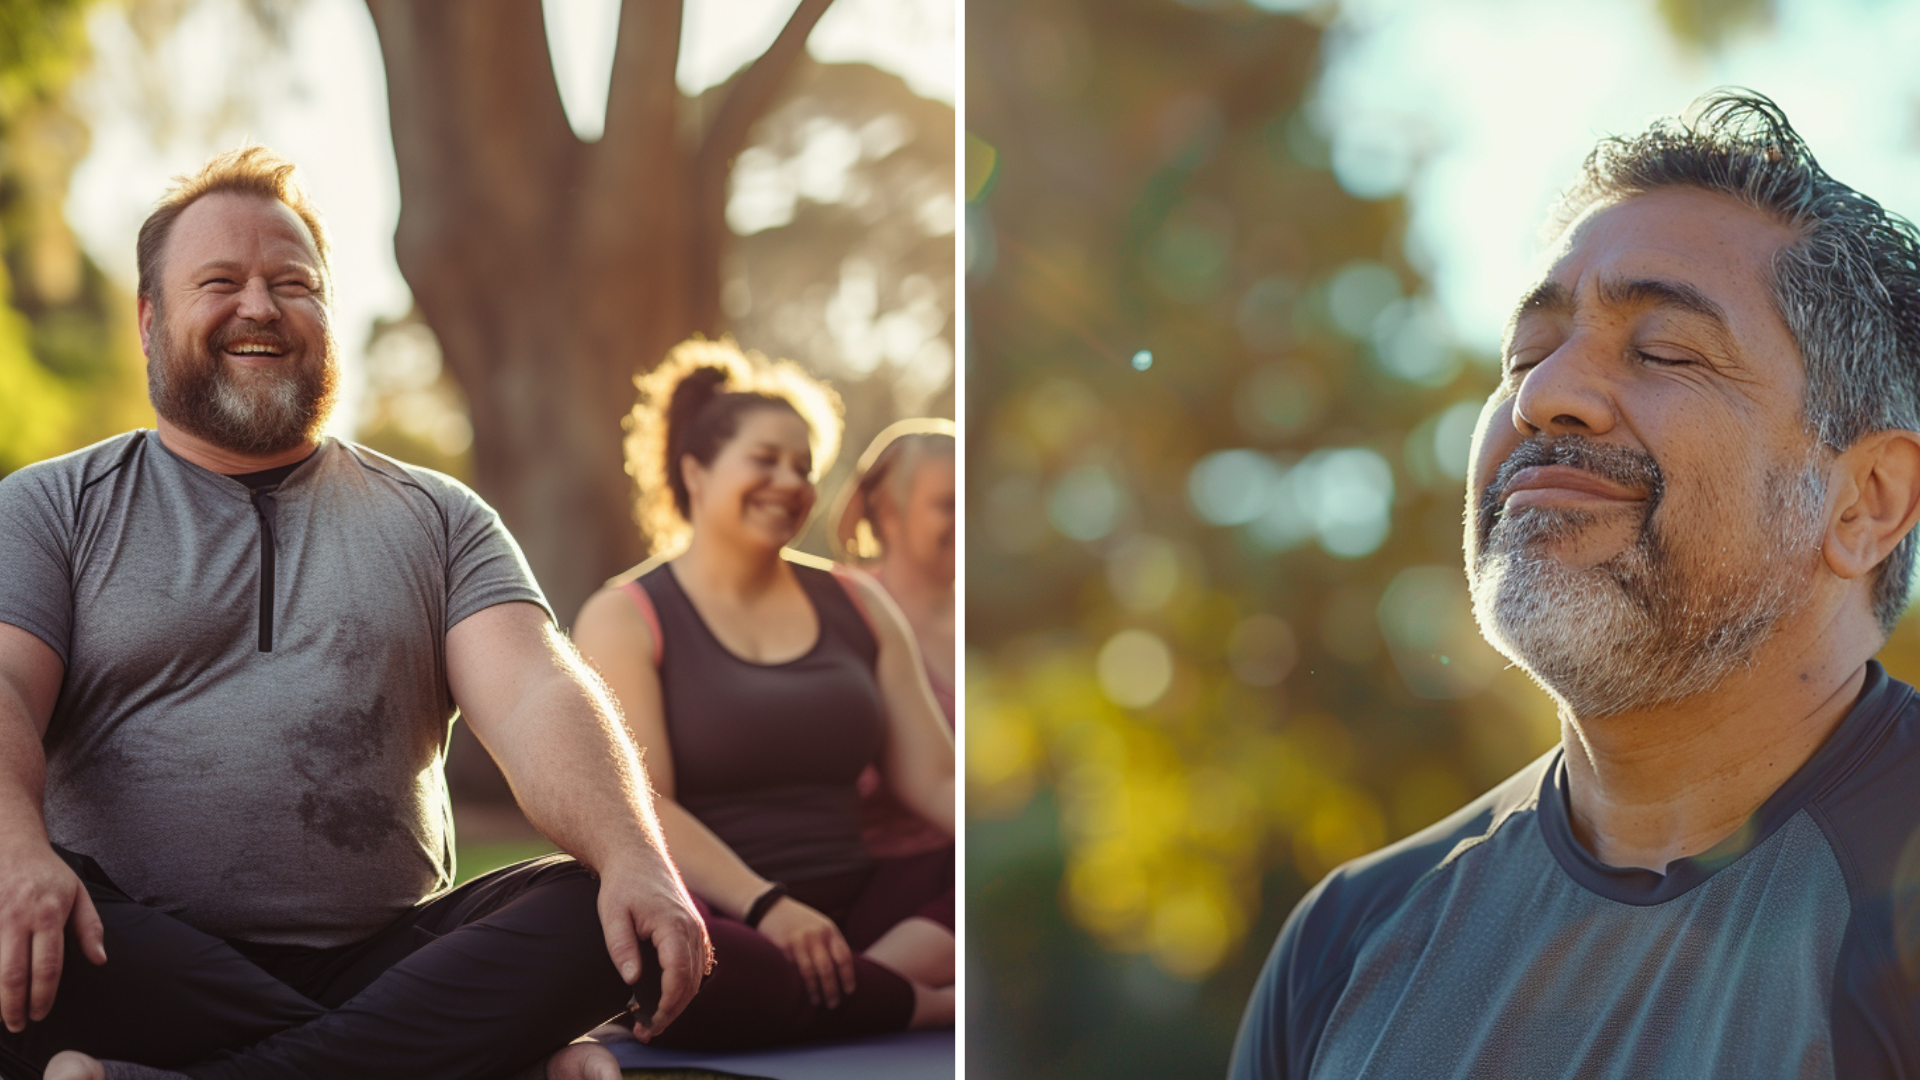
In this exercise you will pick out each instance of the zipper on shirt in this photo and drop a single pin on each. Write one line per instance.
(264, 507)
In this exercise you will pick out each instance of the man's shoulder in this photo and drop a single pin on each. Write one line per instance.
(404, 478)
(1866, 802)
(1360, 894)
(70, 472)
(1317, 947)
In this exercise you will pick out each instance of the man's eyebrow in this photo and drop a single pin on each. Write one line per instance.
(1548, 297)
(230, 266)
(1655, 292)
(1554, 298)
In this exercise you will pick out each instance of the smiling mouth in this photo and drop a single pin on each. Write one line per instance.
(253, 349)
(1565, 485)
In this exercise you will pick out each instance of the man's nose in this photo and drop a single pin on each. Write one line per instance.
(256, 301)
(1568, 392)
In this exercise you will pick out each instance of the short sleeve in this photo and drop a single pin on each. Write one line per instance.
(1265, 1049)
(484, 565)
(36, 559)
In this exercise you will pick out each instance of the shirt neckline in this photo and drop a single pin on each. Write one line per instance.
(1881, 699)
(819, 619)
(271, 478)
(233, 484)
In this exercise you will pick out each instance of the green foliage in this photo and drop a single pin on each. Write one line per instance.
(42, 46)
(69, 364)
(36, 408)
(1707, 23)
(1218, 637)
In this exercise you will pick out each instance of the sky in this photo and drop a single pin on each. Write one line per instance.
(1482, 110)
(325, 108)
(1478, 110)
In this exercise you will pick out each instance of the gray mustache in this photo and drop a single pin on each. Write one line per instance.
(1622, 465)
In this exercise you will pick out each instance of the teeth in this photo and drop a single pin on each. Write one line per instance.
(251, 349)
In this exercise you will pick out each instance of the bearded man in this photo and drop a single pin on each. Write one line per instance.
(230, 650)
(1689, 520)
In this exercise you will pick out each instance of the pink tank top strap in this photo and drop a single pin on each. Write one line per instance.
(847, 577)
(641, 600)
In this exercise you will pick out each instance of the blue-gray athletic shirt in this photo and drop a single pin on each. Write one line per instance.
(1494, 945)
(252, 745)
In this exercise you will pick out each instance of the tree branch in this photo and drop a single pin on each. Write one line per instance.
(752, 94)
(747, 100)
(479, 134)
(643, 100)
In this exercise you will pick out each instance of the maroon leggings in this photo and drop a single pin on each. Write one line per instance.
(756, 997)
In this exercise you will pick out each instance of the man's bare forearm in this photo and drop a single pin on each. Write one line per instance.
(576, 773)
(23, 773)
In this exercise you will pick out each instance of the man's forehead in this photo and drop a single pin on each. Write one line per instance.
(1712, 239)
(1683, 248)
(230, 225)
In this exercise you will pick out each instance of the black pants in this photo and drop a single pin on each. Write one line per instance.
(755, 996)
(479, 983)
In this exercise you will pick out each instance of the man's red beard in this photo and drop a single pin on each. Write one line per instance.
(258, 413)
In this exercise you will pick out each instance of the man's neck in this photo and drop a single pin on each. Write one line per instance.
(221, 460)
(1652, 786)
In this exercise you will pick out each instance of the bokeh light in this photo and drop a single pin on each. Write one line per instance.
(1136, 667)
(1217, 615)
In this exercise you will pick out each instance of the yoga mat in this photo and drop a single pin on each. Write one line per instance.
(909, 1055)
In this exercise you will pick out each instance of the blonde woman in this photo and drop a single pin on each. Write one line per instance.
(896, 516)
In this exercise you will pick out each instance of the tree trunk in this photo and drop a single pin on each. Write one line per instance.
(553, 270)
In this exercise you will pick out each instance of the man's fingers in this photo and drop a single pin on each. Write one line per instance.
(15, 954)
(679, 979)
(48, 951)
(622, 946)
(87, 926)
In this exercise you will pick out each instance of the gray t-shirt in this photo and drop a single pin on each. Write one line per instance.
(252, 740)
(1494, 945)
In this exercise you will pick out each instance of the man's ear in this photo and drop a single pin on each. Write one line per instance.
(1878, 484)
(145, 308)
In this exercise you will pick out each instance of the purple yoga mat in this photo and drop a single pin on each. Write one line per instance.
(911, 1055)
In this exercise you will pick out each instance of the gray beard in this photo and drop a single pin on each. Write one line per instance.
(257, 413)
(1650, 625)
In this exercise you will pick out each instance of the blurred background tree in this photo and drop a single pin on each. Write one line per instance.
(1224, 362)
(67, 377)
(551, 248)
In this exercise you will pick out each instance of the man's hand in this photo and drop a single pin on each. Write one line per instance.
(814, 945)
(40, 897)
(644, 901)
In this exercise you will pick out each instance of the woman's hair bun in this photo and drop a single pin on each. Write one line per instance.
(690, 405)
(694, 391)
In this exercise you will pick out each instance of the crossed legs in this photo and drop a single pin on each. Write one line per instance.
(898, 920)
(493, 977)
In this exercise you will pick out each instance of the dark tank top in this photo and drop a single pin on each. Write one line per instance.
(768, 755)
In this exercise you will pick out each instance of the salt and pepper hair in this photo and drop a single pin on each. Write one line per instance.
(1848, 289)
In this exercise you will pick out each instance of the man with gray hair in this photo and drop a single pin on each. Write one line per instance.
(230, 650)
(1689, 519)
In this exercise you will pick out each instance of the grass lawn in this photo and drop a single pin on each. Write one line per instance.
(472, 860)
